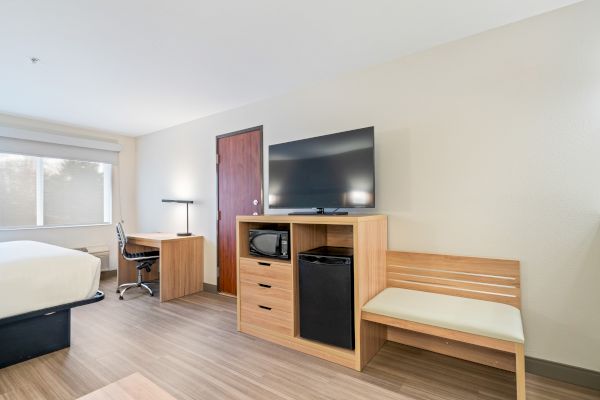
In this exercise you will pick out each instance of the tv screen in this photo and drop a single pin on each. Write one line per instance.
(331, 171)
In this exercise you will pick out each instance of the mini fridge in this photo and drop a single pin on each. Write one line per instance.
(327, 295)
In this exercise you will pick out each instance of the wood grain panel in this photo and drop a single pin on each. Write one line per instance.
(483, 341)
(453, 283)
(370, 247)
(274, 319)
(464, 351)
(182, 272)
(307, 237)
(274, 273)
(268, 296)
(239, 172)
(340, 235)
(475, 265)
(471, 277)
(520, 370)
(348, 219)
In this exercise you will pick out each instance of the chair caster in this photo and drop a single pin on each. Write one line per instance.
(120, 297)
(151, 294)
(118, 291)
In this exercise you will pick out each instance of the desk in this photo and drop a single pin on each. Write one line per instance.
(181, 263)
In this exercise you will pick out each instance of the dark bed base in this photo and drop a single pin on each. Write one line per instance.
(39, 332)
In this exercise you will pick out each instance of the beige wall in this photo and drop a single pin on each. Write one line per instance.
(488, 146)
(124, 177)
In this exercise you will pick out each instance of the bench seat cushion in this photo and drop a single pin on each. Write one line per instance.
(479, 317)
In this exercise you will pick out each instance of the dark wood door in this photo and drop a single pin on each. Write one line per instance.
(239, 171)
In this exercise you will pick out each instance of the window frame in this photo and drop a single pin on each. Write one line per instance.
(39, 189)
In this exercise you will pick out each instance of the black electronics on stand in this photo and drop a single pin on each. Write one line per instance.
(326, 286)
(269, 243)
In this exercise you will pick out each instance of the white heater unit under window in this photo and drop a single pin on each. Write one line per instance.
(99, 251)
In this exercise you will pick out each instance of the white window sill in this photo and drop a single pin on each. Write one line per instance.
(28, 228)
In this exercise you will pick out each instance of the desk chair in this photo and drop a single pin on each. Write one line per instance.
(144, 260)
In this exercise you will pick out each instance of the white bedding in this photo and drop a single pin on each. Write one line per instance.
(36, 275)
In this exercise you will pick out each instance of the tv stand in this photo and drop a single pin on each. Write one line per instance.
(268, 297)
(319, 211)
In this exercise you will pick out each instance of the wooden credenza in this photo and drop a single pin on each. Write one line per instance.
(268, 298)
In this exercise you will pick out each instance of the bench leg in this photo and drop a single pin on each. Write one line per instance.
(520, 370)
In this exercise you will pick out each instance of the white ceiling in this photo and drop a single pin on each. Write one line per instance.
(137, 66)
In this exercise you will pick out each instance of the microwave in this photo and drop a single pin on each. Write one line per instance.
(269, 243)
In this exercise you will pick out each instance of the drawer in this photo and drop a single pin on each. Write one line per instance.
(275, 274)
(267, 317)
(267, 295)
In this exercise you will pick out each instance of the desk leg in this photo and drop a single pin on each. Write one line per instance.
(182, 267)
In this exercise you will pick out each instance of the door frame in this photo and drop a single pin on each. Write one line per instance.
(262, 186)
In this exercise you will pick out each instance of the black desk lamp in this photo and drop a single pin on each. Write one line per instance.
(187, 214)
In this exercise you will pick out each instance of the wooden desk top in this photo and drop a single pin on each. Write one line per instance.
(154, 239)
(160, 236)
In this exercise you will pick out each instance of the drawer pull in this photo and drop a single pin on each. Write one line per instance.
(264, 285)
(265, 308)
(264, 264)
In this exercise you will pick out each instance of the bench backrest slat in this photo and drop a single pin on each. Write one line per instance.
(472, 277)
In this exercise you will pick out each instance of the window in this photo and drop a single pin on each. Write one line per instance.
(36, 191)
(17, 190)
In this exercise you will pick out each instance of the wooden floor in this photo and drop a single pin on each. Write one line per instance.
(133, 387)
(191, 349)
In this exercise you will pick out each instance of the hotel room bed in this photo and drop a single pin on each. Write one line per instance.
(39, 284)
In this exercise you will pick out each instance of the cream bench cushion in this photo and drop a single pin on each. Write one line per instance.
(479, 317)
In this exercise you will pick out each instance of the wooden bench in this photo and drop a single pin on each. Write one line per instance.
(464, 307)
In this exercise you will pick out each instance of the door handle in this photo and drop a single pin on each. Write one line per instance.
(265, 308)
(264, 285)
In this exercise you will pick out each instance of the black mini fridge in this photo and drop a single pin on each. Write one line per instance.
(327, 295)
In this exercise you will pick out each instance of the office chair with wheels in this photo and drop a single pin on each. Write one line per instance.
(144, 261)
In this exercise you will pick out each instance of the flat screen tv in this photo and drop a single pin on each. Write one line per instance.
(330, 171)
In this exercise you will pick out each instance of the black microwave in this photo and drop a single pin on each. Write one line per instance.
(269, 243)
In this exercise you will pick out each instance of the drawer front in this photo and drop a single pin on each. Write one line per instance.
(270, 273)
(267, 317)
(267, 295)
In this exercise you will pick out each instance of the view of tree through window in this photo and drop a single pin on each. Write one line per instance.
(70, 192)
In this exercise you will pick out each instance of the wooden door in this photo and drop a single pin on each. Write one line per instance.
(240, 192)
